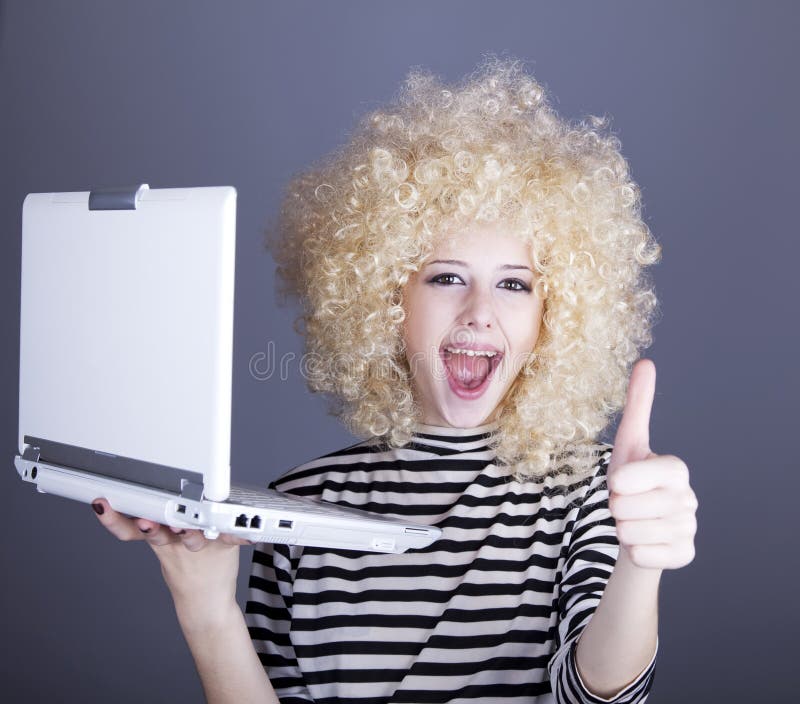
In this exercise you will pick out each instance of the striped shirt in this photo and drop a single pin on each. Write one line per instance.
(490, 612)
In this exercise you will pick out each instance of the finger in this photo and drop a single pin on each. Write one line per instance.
(194, 540)
(662, 556)
(654, 472)
(118, 525)
(653, 532)
(659, 503)
(649, 532)
(155, 533)
(632, 441)
(667, 531)
(234, 540)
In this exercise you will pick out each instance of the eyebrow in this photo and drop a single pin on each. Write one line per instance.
(458, 262)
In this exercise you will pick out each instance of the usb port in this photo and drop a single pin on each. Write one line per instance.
(285, 523)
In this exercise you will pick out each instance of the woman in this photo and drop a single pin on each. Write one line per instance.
(471, 268)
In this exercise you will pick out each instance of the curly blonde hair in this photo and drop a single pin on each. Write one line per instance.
(355, 226)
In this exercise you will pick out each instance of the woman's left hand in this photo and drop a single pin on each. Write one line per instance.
(649, 495)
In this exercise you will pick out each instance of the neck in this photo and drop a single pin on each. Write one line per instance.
(430, 429)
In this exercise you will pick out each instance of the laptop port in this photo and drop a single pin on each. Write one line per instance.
(285, 523)
(255, 522)
(241, 521)
(181, 508)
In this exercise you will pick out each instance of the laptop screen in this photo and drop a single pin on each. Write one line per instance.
(126, 327)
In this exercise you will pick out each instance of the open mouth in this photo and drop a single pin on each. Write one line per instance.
(469, 372)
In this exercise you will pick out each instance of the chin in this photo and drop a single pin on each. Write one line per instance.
(469, 416)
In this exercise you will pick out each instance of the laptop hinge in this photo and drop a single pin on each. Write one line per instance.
(191, 490)
(181, 482)
(123, 198)
(31, 453)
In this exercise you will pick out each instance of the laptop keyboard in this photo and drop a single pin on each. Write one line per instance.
(276, 501)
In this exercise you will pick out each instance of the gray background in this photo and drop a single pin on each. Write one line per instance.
(704, 98)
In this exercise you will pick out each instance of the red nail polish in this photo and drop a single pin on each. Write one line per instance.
(98, 509)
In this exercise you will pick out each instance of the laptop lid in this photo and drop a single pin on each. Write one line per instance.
(126, 327)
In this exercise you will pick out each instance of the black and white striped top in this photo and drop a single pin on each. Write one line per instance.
(490, 612)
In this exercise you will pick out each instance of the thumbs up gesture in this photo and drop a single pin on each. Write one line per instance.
(650, 498)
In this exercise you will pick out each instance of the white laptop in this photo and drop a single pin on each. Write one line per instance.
(126, 351)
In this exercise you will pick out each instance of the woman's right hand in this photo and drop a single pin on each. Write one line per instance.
(200, 573)
(201, 576)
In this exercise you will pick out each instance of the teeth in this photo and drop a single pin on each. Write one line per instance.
(471, 353)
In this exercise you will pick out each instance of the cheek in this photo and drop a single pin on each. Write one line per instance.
(525, 326)
(425, 323)
(409, 338)
(534, 327)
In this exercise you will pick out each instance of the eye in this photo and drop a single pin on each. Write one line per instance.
(445, 279)
(514, 285)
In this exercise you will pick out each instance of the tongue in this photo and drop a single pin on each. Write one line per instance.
(469, 372)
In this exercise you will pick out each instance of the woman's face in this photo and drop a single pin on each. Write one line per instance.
(472, 320)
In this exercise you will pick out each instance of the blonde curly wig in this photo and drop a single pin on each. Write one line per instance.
(355, 226)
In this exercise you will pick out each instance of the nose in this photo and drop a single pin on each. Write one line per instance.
(478, 312)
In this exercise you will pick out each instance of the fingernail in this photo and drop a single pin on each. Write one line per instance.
(181, 531)
(98, 509)
(144, 530)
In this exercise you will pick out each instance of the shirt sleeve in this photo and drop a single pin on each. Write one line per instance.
(268, 618)
(591, 557)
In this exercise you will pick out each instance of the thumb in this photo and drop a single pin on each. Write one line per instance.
(632, 441)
